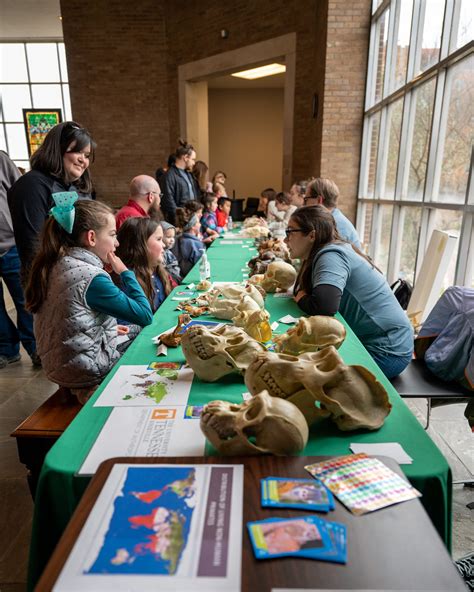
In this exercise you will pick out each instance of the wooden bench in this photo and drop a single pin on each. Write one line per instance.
(38, 432)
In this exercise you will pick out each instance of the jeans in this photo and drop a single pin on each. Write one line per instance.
(391, 365)
(10, 335)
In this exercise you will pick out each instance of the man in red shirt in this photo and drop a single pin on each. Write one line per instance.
(145, 199)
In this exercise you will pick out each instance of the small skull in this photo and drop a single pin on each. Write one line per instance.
(321, 385)
(225, 307)
(262, 425)
(214, 353)
(278, 276)
(311, 334)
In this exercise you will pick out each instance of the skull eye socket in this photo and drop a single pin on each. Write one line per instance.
(251, 412)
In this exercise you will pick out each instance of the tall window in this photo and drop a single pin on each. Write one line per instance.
(417, 153)
(32, 75)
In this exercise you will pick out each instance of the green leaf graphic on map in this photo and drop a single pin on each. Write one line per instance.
(156, 392)
(169, 373)
(127, 397)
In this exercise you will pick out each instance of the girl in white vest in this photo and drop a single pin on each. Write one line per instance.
(73, 299)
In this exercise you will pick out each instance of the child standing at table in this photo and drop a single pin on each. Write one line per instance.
(189, 247)
(141, 249)
(209, 220)
(196, 207)
(73, 299)
(223, 211)
(169, 259)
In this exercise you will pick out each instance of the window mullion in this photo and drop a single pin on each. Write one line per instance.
(440, 114)
(395, 245)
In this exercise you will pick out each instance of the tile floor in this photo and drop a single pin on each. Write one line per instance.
(23, 389)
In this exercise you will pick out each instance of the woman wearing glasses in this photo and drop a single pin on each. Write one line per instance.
(60, 164)
(335, 277)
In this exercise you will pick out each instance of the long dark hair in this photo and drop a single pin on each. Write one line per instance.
(49, 157)
(320, 220)
(55, 242)
(132, 249)
(200, 171)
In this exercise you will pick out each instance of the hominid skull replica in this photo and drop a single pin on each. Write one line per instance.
(321, 385)
(224, 308)
(214, 353)
(262, 425)
(278, 276)
(311, 334)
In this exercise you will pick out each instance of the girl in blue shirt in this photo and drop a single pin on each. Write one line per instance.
(141, 249)
(335, 277)
(74, 300)
(209, 218)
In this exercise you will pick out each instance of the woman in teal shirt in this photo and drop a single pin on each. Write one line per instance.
(335, 277)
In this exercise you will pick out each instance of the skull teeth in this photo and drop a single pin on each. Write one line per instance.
(272, 386)
(224, 430)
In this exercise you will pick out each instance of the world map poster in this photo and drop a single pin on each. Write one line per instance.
(166, 527)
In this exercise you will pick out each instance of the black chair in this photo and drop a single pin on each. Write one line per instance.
(417, 382)
(251, 206)
(236, 209)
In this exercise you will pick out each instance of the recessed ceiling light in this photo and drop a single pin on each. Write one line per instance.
(262, 71)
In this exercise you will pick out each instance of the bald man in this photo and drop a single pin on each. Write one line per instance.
(145, 198)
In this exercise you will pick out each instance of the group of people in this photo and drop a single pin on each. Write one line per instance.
(90, 275)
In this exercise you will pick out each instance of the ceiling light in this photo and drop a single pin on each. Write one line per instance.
(268, 70)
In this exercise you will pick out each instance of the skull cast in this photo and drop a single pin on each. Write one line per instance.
(224, 308)
(321, 385)
(311, 334)
(278, 276)
(214, 353)
(274, 425)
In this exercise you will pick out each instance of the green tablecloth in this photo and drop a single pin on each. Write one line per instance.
(59, 489)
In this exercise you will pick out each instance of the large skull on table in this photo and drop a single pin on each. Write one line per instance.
(321, 385)
(214, 353)
(311, 334)
(225, 307)
(262, 425)
(278, 276)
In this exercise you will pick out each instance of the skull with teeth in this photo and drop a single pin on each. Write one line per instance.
(321, 385)
(214, 353)
(278, 276)
(262, 425)
(311, 334)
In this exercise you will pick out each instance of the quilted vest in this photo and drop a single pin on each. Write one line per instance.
(77, 345)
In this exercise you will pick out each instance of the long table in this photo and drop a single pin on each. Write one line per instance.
(60, 489)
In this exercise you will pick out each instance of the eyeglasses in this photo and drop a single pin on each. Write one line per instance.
(288, 231)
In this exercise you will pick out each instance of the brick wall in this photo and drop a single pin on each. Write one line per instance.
(346, 63)
(123, 59)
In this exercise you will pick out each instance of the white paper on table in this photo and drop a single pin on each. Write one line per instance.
(190, 286)
(283, 295)
(274, 325)
(392, 449)
(208, 555)
(156, 339)
(161, 350)
(232, 235)
(288, 320)
(220, 284)
(231, 242)
(137, 386)
(246, 396)
(141, 431)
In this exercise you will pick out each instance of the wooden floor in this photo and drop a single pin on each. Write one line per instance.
(23, 389)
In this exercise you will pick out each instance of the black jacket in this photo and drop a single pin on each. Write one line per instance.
(29, 200)
(176, 193)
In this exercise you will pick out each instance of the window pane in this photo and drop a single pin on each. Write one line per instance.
(395, 123)
(16, 137)
(3, 144)
(403, 43)
(432, 29)
(424, 98)
(411, 230)
(459, 133)
(67, 116)
(13, 62)
(43, 62)
(385, 227)
(62, 61)
(365, 238)
(24, 164)
(375, 5)
(465, 30)
(15, 97)
(374, 125)
(47, 96)
(449, 221)
(381, 37)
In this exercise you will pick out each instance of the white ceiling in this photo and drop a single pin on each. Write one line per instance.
(30, 19)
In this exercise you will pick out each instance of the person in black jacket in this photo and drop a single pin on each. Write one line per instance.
(179, 185)
(60, 164)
